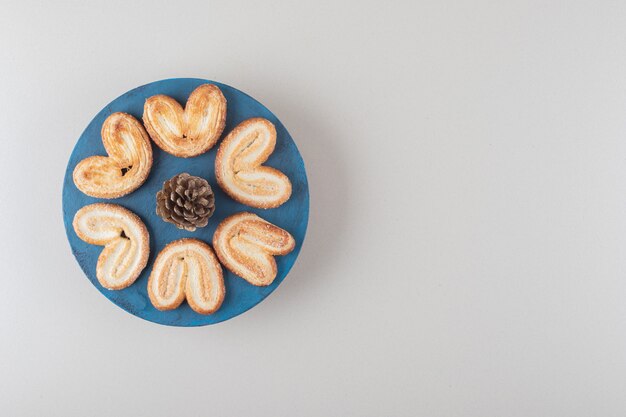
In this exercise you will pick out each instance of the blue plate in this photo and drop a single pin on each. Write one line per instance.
(291, 216)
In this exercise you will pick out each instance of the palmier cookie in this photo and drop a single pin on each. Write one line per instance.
(189, 132)
(246, 245)
(239, 170)
(125, 239)
(127, 166)
(187, 268)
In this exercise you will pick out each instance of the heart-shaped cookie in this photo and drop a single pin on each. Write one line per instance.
(246, 245)
(125, 239)
(189, 132)
(127, 166)
(187, 268)
(239, 170)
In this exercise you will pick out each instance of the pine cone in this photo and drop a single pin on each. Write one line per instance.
(186, 201)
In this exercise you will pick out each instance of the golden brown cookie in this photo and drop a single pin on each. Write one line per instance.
(187, 268)
(239, 170)
(246, 245)
(125, 239)
(127, 166)
(189, 132)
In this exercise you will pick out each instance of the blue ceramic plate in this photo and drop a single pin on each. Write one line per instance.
(291, 216)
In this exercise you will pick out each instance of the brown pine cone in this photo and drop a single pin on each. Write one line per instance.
(186, 201)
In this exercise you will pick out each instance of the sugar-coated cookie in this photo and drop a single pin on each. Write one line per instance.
(239, 170)
(246, 245)
(187, 268)
(125, 239)
(190, 131)
(127, 166)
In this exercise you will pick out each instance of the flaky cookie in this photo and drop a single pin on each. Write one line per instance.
(127, 166)
(239, 170)
(187, 268)
(125, 239)
(246, 245)
(189, 132)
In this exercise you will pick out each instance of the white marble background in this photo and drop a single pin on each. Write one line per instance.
(467, 240)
